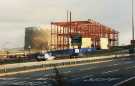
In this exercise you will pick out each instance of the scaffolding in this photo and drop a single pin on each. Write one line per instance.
(61, 33)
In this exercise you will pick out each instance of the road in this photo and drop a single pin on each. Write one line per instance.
(105, 73)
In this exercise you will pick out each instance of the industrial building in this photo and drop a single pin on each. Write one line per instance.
(36, 38)
(28, 37)
(94, 35)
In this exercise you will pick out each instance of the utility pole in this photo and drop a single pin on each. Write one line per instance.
(133, 21)
(70, 21)
(68, 29)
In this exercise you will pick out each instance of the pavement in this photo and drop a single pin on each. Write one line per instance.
(106, 73)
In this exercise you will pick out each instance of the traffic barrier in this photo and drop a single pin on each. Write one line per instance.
(45, 65)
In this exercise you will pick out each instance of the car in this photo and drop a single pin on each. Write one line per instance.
(45, 56)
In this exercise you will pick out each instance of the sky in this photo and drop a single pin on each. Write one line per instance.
(15, 15)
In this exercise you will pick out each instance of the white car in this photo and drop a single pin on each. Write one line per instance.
(45, 56)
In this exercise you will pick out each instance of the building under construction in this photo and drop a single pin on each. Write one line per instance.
(94, 34)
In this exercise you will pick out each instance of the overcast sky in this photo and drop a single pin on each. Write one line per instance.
(15, 15)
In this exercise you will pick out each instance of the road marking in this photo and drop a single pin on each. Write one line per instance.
(113, 65)
(9, 78)
(67, 71)
(87, 69)
(109, 79)
(111, 71)
(75, 79)
(88, 76)
(41, 79)
(124, 81)
(127, 62)
(46, 75)
(130, 67)
(117, 64)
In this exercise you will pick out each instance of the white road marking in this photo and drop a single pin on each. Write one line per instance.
(9, 78)
(111, 71)
(67, 71)
(46, 75)
(41, 79)
(116, 64)
(113, 65)
(130, 67)
(122, 63)
(128, 62)
(122, 82)
(87, 68)
(88, 76)
(109, 79)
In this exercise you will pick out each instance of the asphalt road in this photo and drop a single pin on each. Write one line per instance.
(107, 73)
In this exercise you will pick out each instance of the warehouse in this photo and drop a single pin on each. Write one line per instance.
(94, 35)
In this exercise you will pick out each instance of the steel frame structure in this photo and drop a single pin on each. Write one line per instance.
(62, 31)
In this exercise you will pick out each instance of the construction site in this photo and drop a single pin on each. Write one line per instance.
(94, 34)
(60, 36)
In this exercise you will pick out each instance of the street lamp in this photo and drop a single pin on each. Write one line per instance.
(133, 21)
(132, 50)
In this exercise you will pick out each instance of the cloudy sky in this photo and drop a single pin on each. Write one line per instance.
(15, 15)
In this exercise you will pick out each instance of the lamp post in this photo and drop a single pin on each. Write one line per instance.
(133, 20)
(133, 38)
